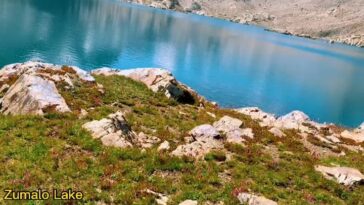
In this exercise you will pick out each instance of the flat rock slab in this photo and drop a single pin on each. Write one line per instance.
(343, 175)
(32, 95)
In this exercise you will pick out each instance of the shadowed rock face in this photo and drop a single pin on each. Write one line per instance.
(32, 95)
(343, 175)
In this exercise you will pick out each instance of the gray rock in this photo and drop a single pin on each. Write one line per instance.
(32, 95)
(189, 202)
(164, 146)
(227, 124)
(44, 69)
(266, 119)
(343, 175)
(251, 199)
(146, 141)
(205, 138)
(113, 130)
(204, 132)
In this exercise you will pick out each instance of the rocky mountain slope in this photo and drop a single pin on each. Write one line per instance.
(334, 20)
(141, 137)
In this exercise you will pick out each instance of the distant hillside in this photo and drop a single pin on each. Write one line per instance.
(334, 20)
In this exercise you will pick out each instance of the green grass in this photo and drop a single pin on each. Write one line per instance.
(54, 151)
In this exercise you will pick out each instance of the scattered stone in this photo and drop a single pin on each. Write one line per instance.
(161, 198)
(83, 114)
(277, 132)
(251, 199)
(113, 130)
(343, 175)
(33, 95)
(188, 202)
(164, 146)
(146, 141)
(238, 135)
(205, 138)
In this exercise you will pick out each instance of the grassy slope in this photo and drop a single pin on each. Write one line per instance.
(55, 152)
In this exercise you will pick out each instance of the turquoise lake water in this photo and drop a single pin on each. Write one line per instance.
(235, 65)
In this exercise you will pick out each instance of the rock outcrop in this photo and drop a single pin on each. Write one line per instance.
(265, 119)
(357, 134)
(30, 87)
(32, 95)
(319, 139)
(115, 131)
(231, 127)
(251, 199)
(158, 80)
(343, 175)
(205, 138)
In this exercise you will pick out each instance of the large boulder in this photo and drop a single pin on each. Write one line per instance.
(30, 87)
(205, 138)
(158, 80)
(32, 94)
(252, 199)
(343, 175)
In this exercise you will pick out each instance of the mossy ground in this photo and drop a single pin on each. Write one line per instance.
(54, 151)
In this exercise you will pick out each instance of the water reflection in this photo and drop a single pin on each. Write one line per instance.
(233, 64)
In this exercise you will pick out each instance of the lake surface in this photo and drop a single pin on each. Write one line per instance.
(235, 65)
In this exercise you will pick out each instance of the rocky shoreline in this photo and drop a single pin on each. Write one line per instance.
(336, 22)
(35, 88)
